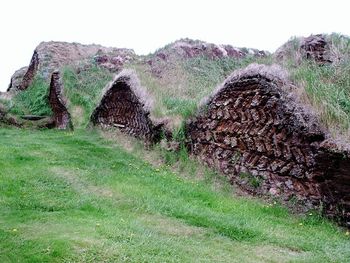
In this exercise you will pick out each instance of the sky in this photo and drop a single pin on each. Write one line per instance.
(150, 24)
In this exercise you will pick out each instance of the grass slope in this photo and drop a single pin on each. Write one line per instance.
(34, 100)
(76, 197)
(326, 88)
(84, 91)
(183, 83)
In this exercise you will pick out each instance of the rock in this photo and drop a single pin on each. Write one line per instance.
(31, 72)
(113, 61)
(274, 136)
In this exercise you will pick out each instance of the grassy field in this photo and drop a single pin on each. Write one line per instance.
(78, 197)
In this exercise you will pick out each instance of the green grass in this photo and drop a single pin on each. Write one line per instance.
(183, 83)
(327, 87)
(205, 73)
(33, 100)
(328, 90)
(84, 90)
(77, 197)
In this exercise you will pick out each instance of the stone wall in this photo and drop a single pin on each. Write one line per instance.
(125, 105)
(61, 116)
(254, 130)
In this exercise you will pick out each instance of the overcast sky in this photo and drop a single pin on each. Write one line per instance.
(147, 25)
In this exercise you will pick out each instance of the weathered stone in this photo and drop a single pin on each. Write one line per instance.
(275, 138)
(126, 105)
(61, 116)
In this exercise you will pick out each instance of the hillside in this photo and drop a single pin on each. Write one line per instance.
(236, 150)
(181, 74)
(176, 76)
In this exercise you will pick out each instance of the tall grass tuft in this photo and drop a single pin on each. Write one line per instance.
(327, 87)
(33, 100)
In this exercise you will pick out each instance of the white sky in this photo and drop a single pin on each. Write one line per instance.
(147, 25)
